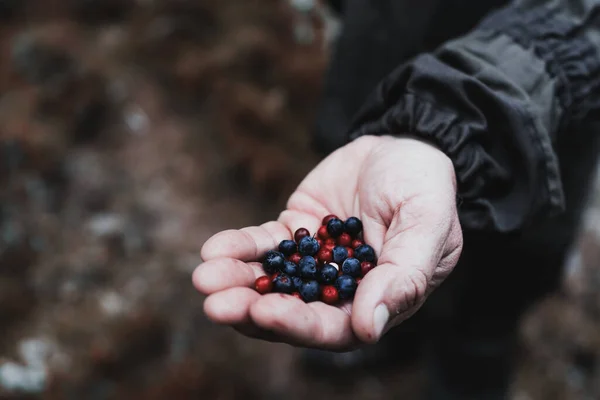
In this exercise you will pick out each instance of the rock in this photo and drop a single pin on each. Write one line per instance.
(18, 378)
(35, 352)
(106, 225)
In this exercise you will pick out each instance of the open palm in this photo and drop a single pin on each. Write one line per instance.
(403, 190)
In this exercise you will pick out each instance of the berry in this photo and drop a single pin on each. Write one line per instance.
(346, 286)
(335, 227)
(310, 291)
(275, 275)
(263, 285)
(297, 295)
(329, 244)
(344, 240)
(288, 247)
(328, 274)
(356, 243)
(283, 284)
(329, 295)
(339, 254)
(295, 258)
(365, 267)
(297, 282)
(301, 233)
(328, 218)
(353, 226)
(322, 232)
(308, 268)
(325, 256)
(350, 252)
(365, 253)
(273, 261)
(320, 242)
(351, 267)
(290, 269)
(308, 246)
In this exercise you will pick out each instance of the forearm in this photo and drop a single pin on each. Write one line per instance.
(495, 101)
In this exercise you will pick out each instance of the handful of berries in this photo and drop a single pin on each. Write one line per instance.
(327, 266)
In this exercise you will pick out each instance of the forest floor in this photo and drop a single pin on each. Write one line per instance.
(131, 131)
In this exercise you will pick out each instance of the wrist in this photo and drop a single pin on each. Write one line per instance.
(424, 150)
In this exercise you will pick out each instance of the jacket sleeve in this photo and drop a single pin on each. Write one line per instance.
(495, 101)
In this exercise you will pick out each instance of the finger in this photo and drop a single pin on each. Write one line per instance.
(304, 203)
(387, 293)
(374, 231)
(247, 244)
(224, 273)
(397, 287)
(230, 306)
(254, 332)
(295, 219)
(315, 325)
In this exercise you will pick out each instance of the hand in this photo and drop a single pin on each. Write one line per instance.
(402, 189)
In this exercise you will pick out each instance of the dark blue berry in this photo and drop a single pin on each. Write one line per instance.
(308, 246)
(353, 226)
(328, 274)
(287, 247)
(335, 227)
(273, 261)
(308, 268)
(310, 291)
(297, 281)
(291, 269)
(365, 253)
(346, 286)
(340, 253)
(351, 267)
(283, 284)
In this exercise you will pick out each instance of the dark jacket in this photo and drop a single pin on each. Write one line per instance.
(511, 93)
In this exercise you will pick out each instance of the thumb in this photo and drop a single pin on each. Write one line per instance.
(399, 285)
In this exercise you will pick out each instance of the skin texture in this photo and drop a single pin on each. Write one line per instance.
(402, 189)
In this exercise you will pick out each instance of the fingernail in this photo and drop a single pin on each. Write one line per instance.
(380, 318)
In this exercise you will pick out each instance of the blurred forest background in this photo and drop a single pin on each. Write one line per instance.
(132, 130)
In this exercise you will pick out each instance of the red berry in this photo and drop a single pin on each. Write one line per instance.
(356, 243)
(301, 233)
(295, 258)
(329, 295)
(325, 256)
(350, 252)
(275, 275)
(344, 240)
(329, 244)
(320, 242)
(328, 218)
(365, 267)
(358, 280)
(263, 285)
(297, 295)
(322, 232)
